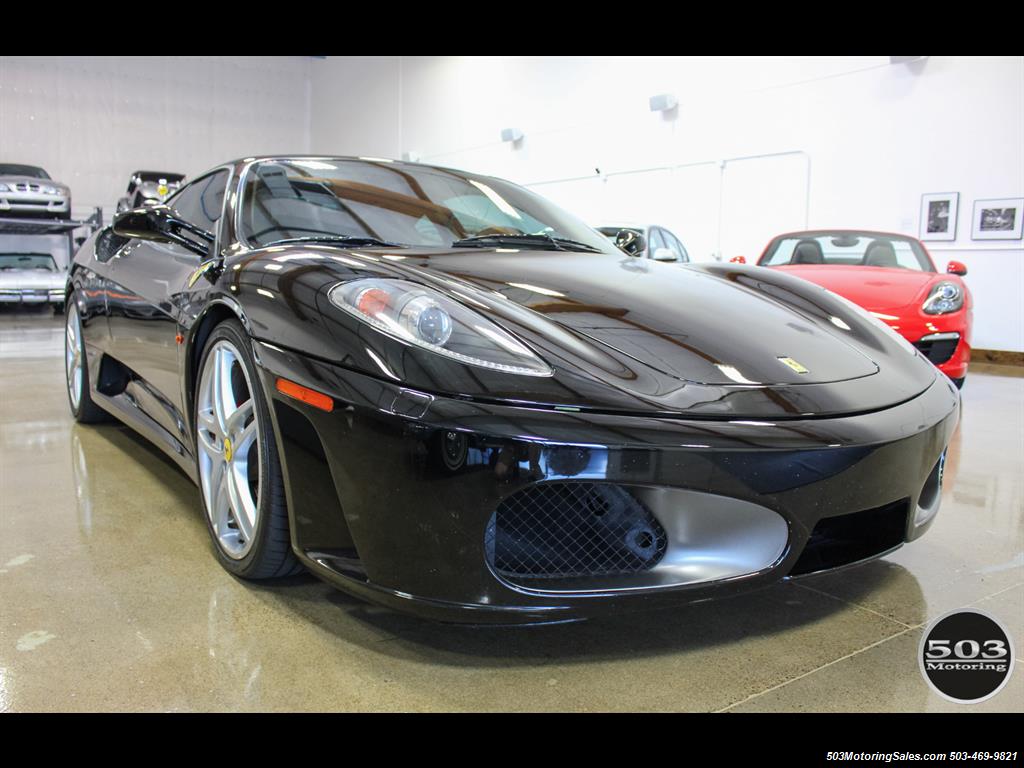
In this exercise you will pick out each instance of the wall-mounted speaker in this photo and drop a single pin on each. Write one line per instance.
(663, 102)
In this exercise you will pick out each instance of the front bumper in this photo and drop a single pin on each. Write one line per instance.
(944, 339)
(949, 351)
(393, 495)
(14, 203)
(31, 296)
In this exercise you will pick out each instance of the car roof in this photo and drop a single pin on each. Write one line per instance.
(159, 174)
(350, 158)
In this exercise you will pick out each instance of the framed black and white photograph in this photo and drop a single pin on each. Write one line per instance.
(938, 215)
(998, 219)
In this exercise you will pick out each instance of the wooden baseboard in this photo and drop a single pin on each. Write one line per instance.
(997, 356)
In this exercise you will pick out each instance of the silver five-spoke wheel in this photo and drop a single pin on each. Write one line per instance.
(229, 449)
(73, 356)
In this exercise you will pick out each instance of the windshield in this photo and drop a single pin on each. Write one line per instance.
(43, 261)
(10, 169)
(865, 249)
(394, 203)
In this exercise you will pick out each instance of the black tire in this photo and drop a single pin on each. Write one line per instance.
(270, 555)
(959, 382)
(58, 309)
(87, 411)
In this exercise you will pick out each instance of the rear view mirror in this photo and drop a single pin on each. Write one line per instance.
(956, 268)
(630, 241)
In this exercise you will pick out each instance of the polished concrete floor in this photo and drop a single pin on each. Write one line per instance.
(110, 598)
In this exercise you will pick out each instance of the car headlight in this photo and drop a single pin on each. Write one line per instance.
(421, 316)
(4, 188)
(49, 190)
(944, 298)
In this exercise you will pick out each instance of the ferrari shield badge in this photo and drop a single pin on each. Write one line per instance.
(790, 362)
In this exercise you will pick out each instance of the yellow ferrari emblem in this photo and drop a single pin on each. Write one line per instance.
(793, 364)
(162, 190)
(227, 449)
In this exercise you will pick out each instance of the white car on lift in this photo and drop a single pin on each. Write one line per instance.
(31, 278)
(658, 243)
(28, 190)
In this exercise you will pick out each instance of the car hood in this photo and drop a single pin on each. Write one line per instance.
(31, 278)
(620, 333)
(692, 324)
(31, 180)
(874, 288)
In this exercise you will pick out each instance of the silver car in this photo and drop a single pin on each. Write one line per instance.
(31, 278)
(149, 188)
(658, 243)
(27, 190)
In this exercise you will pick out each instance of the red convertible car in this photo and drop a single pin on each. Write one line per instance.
(892, 277)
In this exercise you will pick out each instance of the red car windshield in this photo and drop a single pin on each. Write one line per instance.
(849, 249)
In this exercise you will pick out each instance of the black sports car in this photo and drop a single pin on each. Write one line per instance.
(441, 393)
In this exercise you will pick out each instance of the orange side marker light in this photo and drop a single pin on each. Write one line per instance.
(305, 394)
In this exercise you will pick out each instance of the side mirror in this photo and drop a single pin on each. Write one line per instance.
(956, 268)
(144, 224)
(159, 224)
(738, 260)
(664, 254)
(630, 241)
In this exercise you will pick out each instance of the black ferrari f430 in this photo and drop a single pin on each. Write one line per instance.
(440, 392)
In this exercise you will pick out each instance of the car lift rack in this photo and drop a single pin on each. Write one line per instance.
(34, 226)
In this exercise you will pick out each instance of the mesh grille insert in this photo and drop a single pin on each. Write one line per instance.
(573, 529)
(937, 351)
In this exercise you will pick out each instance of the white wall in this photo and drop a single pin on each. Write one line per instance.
(855, 140)
(358, 111)
(91, 121)
(864, 139)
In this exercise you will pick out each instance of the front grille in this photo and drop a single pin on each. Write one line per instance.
(573, 529)
(845, 539)
(938, 351)
(23, 187)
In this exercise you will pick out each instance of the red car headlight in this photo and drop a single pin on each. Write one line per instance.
(945, 297)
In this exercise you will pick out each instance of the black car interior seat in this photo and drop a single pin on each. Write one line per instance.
(807, 252)
(880, 253)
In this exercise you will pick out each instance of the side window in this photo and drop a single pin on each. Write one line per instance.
(675, 245)
(202, 201)
(654, 241)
